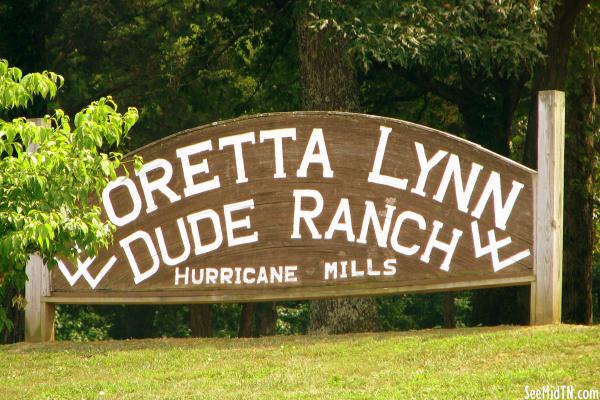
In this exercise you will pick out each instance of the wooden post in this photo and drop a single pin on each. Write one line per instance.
(546, 291)
(39, 315)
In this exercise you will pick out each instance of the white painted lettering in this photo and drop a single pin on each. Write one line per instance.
(179, 276)
(193, 220)
(125, 243)
(307, 216)
(389, 267)
(197, 280)
(247, 279)
(226, 275)
(370, 270)
(330, 269)
(189, 170)
(375, 175)
(262, 276)
(493, 247)
(232, 225)
(320, 157)
(370, 217)
(448, 248)
(342, 213)
(160, 184)
(406, 215)
(211, 276)
(463, 193)
(344, 271)
(133, 194)
(353, 271)
(236, 141)
(276, 274)
(185, 241)
(426, 166)
(290, 273)
(277, 135)
(501, 211)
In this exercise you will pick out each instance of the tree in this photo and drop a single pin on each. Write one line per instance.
(48, 175)
(257, 319)
(329, 82)
(181, 63)
(201, 320)
(582, 127)
(475, 54)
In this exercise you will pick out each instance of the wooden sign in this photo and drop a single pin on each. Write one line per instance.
(320, 204)
(308, 205)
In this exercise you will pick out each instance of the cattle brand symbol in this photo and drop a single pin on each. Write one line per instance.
(82, 270)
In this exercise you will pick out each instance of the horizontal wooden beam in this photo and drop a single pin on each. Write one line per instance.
(290, 294)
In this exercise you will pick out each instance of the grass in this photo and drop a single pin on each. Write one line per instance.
(494, 363)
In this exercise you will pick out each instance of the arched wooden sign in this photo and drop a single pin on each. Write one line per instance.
(308, 205)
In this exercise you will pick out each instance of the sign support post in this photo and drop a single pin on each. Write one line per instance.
(39, 315)
(546, 290)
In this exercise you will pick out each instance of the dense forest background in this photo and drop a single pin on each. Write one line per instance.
(471, 68)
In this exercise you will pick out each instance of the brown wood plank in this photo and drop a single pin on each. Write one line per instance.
(292, 294)
(352, 142)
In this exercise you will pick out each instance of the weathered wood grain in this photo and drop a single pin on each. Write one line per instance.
(547, 289)
(289, 294)
(351, 142)
(39, 314)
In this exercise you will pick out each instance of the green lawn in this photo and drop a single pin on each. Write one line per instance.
(495, 363)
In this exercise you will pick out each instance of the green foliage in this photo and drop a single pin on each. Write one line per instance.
(171, 321)
(292, 317)
(181, 63)
(225, 319)
(17, 90)
(81, 324)
(418, 311)
(494, 38)
(48, 174)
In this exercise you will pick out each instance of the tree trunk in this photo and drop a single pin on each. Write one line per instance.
(247, 320)
(449, 310)
(578, 225)
(201, 320)
(266, 319)
(580, 161)
(348, 314)
(579, 156)
(551, 73)
(327, 73)
(329, 82)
